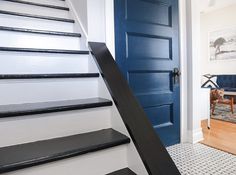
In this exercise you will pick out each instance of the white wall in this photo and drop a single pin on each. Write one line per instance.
(110, 26)
(205, 103)
(212, 21)
(81, 9)
(96, 20)
(90, 15)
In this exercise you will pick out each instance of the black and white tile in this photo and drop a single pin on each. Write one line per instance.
(199, 159)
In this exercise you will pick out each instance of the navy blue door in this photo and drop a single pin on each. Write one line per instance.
(147, 52)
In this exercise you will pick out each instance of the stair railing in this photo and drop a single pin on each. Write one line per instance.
(154, 155)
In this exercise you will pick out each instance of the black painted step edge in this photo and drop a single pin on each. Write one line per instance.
(125, 171)
(48, 76)
(46, 32)
(61, 108)
(58, 51)
(66, 155)
(39, 4)
(36, 16)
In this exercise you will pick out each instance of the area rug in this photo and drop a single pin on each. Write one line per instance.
(223, 112)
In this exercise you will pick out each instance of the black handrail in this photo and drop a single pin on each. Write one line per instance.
(152, 152)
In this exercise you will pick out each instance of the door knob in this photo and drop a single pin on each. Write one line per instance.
(176, 75)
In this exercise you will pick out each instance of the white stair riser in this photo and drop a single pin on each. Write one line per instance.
(28, 40)
(47, 126)
(97, 163)
(34, 23)
(38, 90)
(34, 10)
(49, 2)
(22, 62)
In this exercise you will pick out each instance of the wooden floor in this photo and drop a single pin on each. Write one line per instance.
(222, 135)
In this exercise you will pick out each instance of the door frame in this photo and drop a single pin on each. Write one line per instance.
(189, 18)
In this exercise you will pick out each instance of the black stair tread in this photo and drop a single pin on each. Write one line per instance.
(59, 51)
(36, 16)
(47, 76)
(15, 29)
(39, 4)
(125, 171)
(14, 110)
(31, 154)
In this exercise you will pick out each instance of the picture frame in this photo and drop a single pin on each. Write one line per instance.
(222, 44)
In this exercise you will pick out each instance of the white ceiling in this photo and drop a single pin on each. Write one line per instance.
(211, 5)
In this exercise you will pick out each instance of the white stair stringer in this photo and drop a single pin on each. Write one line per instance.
(34, 10)
(97, 163)
(78, 27)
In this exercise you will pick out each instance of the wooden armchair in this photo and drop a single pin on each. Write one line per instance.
(217, 96)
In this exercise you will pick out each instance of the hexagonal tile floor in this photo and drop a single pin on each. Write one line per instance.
(199, 159)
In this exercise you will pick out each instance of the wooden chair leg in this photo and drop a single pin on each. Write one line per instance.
(232, 105)
(213, 108)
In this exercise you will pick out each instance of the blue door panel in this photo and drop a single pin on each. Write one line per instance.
(147, 51)
(150, 65)
(155, 114)
(152, 10)
(155, 99)
(154, 82)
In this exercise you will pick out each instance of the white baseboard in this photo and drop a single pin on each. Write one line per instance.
(195, 136)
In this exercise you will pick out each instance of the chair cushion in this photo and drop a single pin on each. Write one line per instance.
(230, 89)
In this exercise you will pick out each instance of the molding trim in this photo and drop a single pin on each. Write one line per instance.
(76, 17)
(183, 66)
(195, 136)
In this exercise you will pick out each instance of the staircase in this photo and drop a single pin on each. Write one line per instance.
(56, 114)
